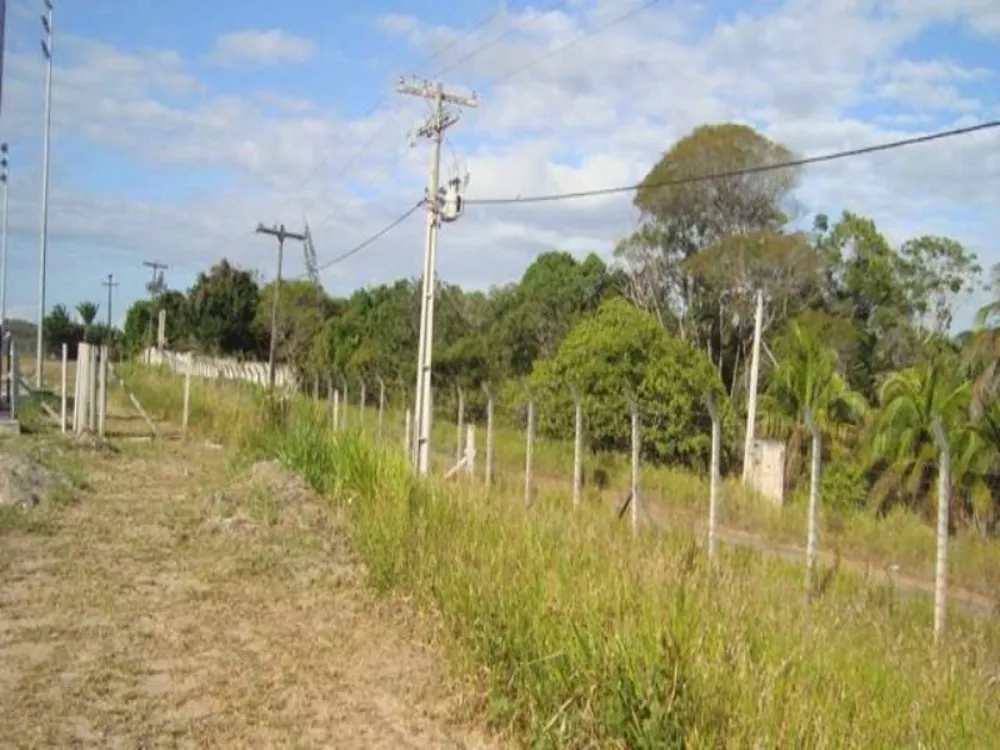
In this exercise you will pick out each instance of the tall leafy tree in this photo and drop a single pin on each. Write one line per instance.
(222, 305)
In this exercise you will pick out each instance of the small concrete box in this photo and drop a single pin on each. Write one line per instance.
(767, 470)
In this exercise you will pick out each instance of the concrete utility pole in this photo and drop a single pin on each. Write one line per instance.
(154, 284)
(44, 238)
(110, 284)
(758, 322)
(439, 121)
(4, 177)
(282, 234)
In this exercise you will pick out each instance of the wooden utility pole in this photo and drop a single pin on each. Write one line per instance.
(282, 234)
(439, 121)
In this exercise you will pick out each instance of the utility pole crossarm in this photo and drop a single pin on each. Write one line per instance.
(281, 233)
(429, 90)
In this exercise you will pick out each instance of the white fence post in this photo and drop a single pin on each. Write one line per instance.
(577, 448)
(460, 423)
(187, 400)
(347, 401)
(529, 449)
(812, 536)
(381, 404)
(636, 444)
(408, 432)
(489, 435)
(714, 481)
(102, 392)
(361, 405)
(944, 502)
(470, 451)
(64, 375)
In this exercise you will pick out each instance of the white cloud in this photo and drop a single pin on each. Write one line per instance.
(595, 114)
(256, 47)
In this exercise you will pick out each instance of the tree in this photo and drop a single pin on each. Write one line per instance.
(622, 351)
(532, 318)
(222, 305)
(302, 310)
(694, 215)
(982, 351)
(683, 216)
(58, 328)
(902, 449)
(808, 378)
(87, 312)
(938, 272)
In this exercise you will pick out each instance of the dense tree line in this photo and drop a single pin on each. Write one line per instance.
(856, 330)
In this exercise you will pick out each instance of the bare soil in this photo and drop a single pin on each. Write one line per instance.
(176, 605)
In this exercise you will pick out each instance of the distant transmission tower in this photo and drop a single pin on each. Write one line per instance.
(312, 265)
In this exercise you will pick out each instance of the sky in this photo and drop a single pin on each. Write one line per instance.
(179, 126)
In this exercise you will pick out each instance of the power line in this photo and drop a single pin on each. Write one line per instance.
(482, 48)
(464, 58)
(888, 146)
(576, 40)
(377, 236)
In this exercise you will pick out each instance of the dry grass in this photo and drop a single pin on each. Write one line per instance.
(176, 603)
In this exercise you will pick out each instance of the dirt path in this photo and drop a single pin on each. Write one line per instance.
(174, 606)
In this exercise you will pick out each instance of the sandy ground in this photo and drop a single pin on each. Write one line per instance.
(176, 605)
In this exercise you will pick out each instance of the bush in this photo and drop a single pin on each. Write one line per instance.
(620, 352)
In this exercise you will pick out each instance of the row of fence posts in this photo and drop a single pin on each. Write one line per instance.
(465, 454)
(715, 480)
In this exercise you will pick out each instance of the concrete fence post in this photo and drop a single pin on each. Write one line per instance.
(381, 405)
(812, 535)
(714, 481)
(460, 426)
(63, 378)
(577, 448)
(944, 508)
(636, 445)
(186, 416)
(489, 435)
(529, 449)
(470, 451)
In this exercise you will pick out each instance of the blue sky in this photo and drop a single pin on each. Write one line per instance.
(180, 125)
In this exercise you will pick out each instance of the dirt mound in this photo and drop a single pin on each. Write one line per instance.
(277, 481)
(25, 483)
(268, 494)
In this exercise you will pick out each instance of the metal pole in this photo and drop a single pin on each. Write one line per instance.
(44, 238)
(4, 178)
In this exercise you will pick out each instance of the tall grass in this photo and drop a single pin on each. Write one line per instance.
(586, 636)
(591, 637)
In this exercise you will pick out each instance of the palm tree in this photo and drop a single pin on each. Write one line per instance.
(902, 448)
(88, 313)
(808, 377)
(983, 352)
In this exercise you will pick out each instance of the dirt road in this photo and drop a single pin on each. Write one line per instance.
(175, 606)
